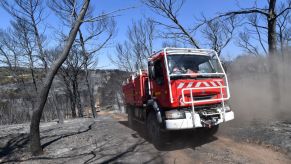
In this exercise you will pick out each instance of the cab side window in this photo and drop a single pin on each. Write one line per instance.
(159, 72)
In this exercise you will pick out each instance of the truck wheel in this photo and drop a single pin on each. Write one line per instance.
(208, 132)
(154, 133)
(130, 117)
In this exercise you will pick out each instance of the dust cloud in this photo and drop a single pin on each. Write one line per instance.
(253, 93)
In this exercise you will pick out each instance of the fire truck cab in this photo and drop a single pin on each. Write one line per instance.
(183, 88)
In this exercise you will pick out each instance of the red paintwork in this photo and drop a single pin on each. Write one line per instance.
(177, 92)
(134, 90)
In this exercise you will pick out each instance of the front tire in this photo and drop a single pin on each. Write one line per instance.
(154, 133)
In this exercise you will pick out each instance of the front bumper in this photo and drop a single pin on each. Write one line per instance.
(187, 123)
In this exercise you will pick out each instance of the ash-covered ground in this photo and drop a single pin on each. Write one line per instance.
(276, 134)
(108, 139)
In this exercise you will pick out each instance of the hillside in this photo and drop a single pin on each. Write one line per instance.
(17, 101)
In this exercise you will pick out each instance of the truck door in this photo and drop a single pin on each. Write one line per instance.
(159, 83)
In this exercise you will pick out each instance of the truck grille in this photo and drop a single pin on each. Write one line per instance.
(205, 97)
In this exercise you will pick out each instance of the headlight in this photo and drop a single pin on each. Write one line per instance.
(175, 114)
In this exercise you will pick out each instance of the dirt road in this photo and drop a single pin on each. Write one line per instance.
(108, 139)
(225, 150)
(187, 147)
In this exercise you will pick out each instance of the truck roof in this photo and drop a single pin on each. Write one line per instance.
(189, 51)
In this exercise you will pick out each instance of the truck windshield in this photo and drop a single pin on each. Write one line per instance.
(187, 64)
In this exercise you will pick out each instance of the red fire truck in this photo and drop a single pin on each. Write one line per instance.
(183, 88)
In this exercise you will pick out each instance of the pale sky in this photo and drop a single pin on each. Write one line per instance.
(190, 10)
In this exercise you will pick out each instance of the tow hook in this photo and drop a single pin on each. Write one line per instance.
(208, 125)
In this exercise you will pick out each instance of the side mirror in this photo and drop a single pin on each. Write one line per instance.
(151, 70)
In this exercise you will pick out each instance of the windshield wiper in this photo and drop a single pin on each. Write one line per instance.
(212, 76)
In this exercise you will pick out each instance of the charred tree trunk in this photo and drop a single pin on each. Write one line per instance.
(31, 67)
(272, 35)
(60, 115)
(35, 144)
(33, 79)
(118, 101)
(76, 97)
(70, 95)
(55, 99)
(272, 42)
(92, 101)
(91, 97)
(72, 103)
(78, 101)
(39, 43)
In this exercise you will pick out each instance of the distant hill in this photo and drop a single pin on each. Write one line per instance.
(17, 101)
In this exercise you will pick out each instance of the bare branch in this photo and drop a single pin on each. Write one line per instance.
(241, 12)
(31, 12)
(284, 9)
(106, 15)
(169, 9)
(254, 22)
(244, 43)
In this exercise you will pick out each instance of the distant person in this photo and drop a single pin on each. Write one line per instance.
(193, 71)
(176, 68)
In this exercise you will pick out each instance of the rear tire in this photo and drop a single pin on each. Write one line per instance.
(130, 117)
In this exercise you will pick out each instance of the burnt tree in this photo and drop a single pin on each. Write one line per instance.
(35, 144)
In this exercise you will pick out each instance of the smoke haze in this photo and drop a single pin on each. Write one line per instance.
(252, 91)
